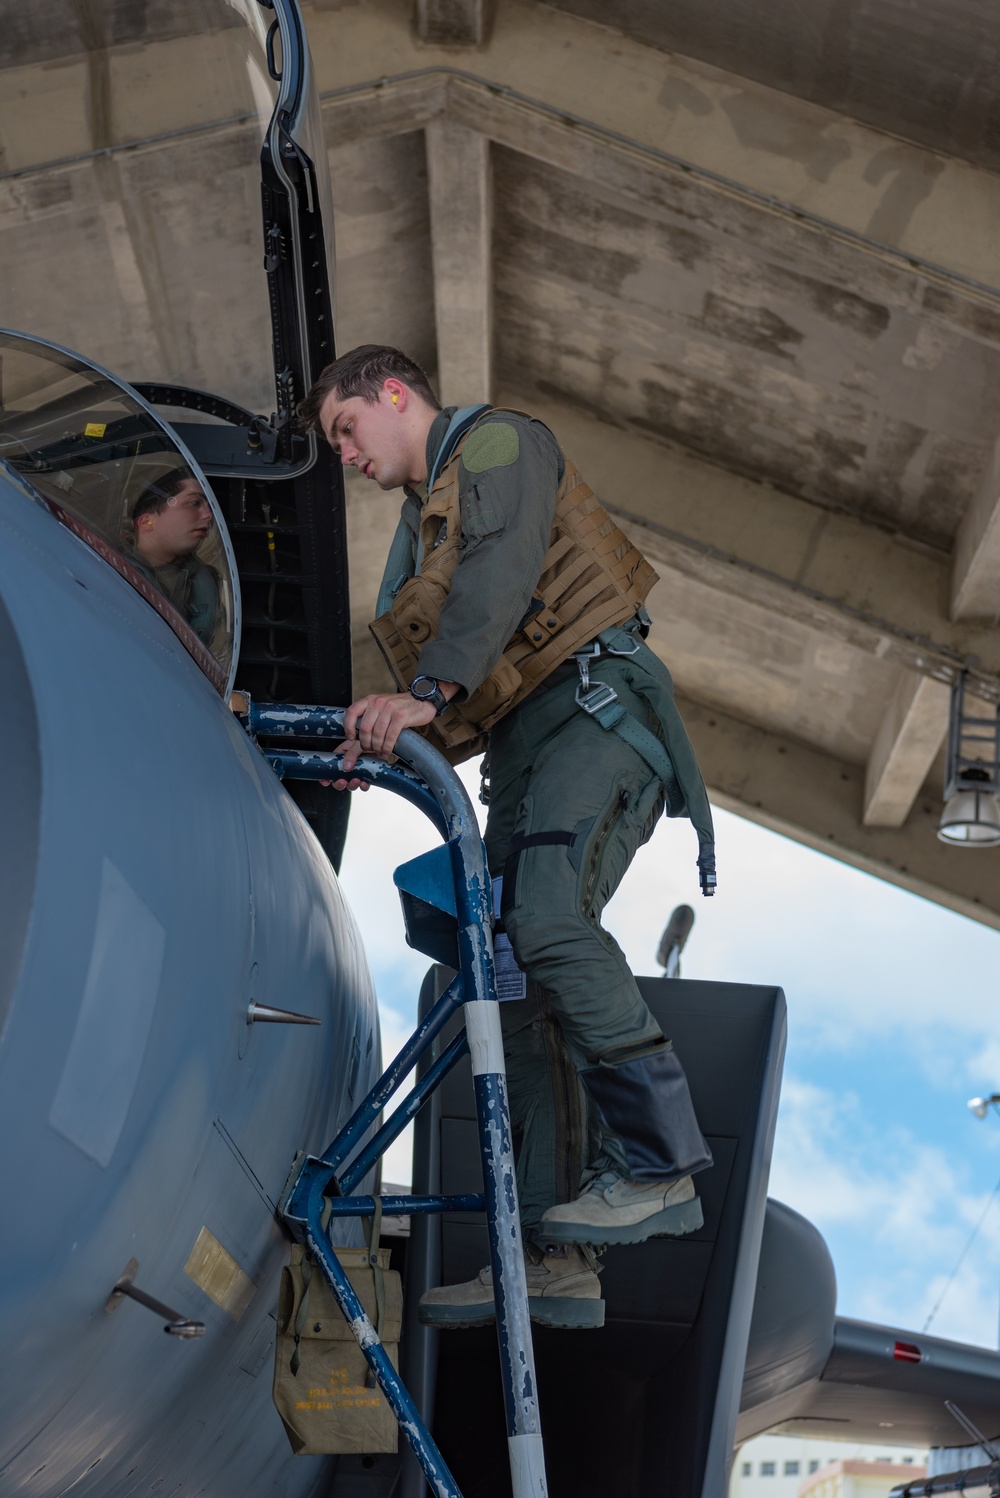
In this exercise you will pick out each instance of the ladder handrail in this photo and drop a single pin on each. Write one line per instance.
(423, 777)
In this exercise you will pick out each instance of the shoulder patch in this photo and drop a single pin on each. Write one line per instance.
(494, 444)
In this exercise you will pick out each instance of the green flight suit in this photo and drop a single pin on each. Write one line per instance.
(583, 800)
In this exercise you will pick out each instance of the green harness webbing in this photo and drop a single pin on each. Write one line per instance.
(401, 564)
(601, 702)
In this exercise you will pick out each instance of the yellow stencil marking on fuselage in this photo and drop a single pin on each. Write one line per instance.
(219, 1275)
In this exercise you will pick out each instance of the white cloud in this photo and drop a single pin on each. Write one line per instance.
(857, 958)
(902, 1205)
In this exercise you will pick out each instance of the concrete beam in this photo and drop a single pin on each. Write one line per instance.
(789, 155)
(813, 799)
(454, 23)
(908, 740)
(975, 583)
(458, 171)
(834, 573)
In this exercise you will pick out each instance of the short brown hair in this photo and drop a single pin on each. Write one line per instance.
(156, 496)
(363, 372)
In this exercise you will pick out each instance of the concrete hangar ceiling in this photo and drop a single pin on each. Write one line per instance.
(745, 259)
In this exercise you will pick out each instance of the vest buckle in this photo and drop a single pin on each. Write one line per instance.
(597, 698)
(583, 658)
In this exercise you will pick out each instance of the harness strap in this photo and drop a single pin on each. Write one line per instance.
(398, 567)
(400, 564)
(305, 1268)
(464, 418)
(539, 839)
(601, 703)
(523, 840)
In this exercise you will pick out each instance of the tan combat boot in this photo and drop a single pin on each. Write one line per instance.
(614, 1211)
(562, 1291)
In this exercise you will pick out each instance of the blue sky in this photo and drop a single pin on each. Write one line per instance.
(892, 1008)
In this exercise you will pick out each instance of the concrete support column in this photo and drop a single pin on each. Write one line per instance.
(908, 740)
(461, 204)
(454, 23)
(975, 586)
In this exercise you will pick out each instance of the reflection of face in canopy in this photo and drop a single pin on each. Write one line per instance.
(170, 519)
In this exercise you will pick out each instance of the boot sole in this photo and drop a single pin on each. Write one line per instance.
(564, 1311)
(671, 1222)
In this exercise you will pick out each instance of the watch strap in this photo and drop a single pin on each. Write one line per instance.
(436, 697)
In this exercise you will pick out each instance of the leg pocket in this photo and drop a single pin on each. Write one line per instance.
(626, 822)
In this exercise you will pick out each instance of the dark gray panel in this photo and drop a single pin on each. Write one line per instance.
(666, 1370)
(20, 804)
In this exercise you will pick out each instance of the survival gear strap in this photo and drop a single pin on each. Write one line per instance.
(601, 702)
(324, 1390)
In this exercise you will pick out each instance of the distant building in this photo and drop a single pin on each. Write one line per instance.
(857, 1479)
(800, 1467)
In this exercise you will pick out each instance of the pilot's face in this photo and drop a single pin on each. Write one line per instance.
(371, 436)
(180, 526)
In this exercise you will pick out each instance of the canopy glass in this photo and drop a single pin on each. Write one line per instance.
(110, 470)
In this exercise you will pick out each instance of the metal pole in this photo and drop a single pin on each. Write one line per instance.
(482, 1025)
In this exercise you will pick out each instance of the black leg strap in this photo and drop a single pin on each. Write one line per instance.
(518, 843)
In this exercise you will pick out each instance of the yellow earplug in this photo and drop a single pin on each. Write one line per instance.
(395, 399)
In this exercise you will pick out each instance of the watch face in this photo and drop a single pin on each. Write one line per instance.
(424, 688)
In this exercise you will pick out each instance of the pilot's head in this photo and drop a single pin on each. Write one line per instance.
(171, 518)
(375, 407)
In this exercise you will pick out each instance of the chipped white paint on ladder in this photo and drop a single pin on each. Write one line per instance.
(482, 1025)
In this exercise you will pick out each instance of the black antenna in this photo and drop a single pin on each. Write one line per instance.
(676, 933)
(972, 1430)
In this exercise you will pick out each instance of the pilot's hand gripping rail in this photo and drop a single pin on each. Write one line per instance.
(424, 778)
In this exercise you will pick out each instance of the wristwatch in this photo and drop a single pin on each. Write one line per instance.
(426, 689)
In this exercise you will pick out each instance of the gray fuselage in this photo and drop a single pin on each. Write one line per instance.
(156, 878)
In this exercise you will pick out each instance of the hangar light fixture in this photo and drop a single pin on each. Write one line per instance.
(971, 816)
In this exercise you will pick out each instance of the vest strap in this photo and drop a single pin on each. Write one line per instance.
(464, 418)
(463, 421)
(401, 564)
(399, 567)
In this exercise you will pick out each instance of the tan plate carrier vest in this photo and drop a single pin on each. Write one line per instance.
(592, 578)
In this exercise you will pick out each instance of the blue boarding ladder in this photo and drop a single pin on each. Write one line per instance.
(446, 897)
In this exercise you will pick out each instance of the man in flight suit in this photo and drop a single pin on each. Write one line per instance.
(170, 519)
(584, 755)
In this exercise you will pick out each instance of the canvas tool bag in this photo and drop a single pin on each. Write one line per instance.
(324, 1390)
